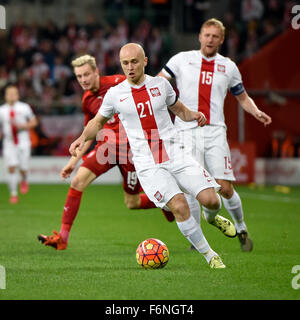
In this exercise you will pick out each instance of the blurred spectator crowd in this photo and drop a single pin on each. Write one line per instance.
(252, 23)
(38, 57)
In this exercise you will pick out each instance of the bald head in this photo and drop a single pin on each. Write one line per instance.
(132, 49)
(133, 62)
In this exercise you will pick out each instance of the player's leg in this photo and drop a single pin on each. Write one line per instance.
(133, 197)
(218, 163)
(197, 181)
(195, 210)
(166, 192)
(13, 181)
(24, 186)
(211, 204)
(81, 180)
(89, 170)
(10, 155)
(192, 141)
(192, 230)
(194, 206)
(233, 204)
(24, 156)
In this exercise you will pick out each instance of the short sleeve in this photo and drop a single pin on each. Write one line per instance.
(236, 84)
(171, 69)
(29, 113)
(171, 96)
(107, 109)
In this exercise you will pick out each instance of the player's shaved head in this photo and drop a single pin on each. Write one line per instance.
(132, 48)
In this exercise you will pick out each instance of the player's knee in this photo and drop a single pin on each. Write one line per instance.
(212, 202)
(78, 183)
(226, 191)
(179, 207)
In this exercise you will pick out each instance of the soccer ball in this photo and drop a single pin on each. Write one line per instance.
(152, 254)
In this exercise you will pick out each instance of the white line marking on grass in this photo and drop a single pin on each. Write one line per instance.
(267, 197)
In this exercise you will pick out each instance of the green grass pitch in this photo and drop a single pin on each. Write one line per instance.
(100, 260)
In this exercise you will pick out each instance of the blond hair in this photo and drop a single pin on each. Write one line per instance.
(214, 22)
(85, 59)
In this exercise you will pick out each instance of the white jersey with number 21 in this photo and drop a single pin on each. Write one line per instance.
(143, 112)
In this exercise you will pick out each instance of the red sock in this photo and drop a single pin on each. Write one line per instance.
(71, 208)
(145, 203)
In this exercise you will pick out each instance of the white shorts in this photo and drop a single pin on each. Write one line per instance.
(217, 157)
(162, 182)
(208, 145)
(192, 141)
(17, 155)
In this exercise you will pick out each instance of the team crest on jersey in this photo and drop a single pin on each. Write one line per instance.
(221, 68)
(158, 196)
(155, 92)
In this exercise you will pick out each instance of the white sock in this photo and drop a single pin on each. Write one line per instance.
(209, 254)
(235, 209)
(194, 207)
(192, 231)
(13, 180)
(209, 214)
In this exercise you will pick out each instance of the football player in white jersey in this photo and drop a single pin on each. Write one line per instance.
(16, 119)
(203, 78)
(163, 167)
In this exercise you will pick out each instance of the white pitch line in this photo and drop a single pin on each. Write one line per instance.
(268, 197)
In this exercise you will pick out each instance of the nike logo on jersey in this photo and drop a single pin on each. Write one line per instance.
(99, 97)
(121, 100)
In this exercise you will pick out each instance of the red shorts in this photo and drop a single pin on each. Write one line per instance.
(100, 163)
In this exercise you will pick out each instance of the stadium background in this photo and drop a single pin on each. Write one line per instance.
(42, 38)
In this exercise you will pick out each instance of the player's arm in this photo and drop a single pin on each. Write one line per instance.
(162, 74)
(70, 166)
(186, 114)
(30, 124)
(249, 106)
(89, 132)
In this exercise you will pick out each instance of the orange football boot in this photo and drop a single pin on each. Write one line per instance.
(56, 241)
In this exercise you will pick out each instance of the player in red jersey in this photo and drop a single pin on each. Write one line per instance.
(112, 149)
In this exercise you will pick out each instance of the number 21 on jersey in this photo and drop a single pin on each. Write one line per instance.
(141, 107)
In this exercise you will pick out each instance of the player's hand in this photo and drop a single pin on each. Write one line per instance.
(263, 117)
(66, 171)
(200, 117)
(78, 143)
(21, 127)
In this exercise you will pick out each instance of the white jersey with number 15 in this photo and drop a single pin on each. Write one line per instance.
(203, 84)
